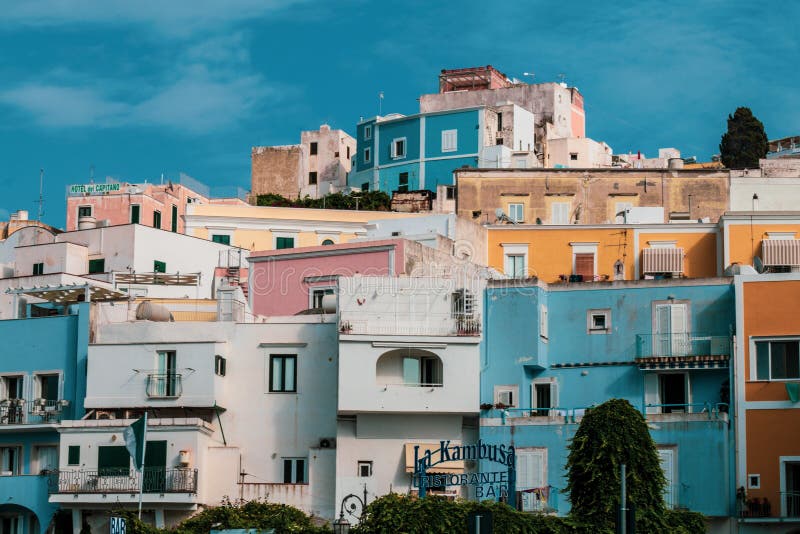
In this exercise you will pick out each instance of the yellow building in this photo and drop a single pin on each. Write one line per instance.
(269, 228)
(771, 237)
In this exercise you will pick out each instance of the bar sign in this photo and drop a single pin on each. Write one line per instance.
(117, 525)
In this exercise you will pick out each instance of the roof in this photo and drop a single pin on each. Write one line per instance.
(326, 250)
(70, 293)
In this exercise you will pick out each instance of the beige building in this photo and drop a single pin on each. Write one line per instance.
(591, 196)
(317, 166)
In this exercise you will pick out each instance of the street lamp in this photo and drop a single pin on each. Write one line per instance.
(342, 525)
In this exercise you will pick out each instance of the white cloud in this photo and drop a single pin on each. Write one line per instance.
(64, 106)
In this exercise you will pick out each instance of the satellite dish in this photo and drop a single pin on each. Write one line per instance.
(499, 213)
(758, 264)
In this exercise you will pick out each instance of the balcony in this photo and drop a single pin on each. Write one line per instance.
(93, 481)
(31, 412)
(665, 413)
(682, 347)
(406, 324)
(785, 505)
(164, 386)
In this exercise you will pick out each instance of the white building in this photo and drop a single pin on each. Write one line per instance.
(408, 374)
(244, 411)
(774, 186)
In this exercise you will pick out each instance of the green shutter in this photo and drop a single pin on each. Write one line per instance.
(284, 242)
(113, 460)
(74, 455)
(159, 267)
(135, 210)
(174, 218)
(223, 239)
(97, 266)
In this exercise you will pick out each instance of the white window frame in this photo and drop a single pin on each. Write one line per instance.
(553, 212)
(37, 385)
(543, 320)
(553, 383)
(91, 210)
(518, 206)
(590, 315)
(368, 465)
(529, 499)
(368, 155)
(750, 478)
(293, 477)
(782, 461)
(367, 132)
(395, 154)
(584, 248)
(670, 492)
(4, 385)
(16, 469)
(508, 388)
(314, 289)
(449, 140)
(515, 249)
(754, 359)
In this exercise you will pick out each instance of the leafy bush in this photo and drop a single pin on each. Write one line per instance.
(685, 522)
(364, 200)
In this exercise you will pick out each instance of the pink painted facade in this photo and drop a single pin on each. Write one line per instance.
(282, 282)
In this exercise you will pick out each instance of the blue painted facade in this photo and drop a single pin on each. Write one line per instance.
(586, 367)
(427, 162)
(31, 348)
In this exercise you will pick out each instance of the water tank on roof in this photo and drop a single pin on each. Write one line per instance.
(21, 215)
(147, 311)
(675, 163)
(329, 303)
(86, 223)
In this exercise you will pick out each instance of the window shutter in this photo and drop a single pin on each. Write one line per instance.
(411, 371)
(651, 392)
(584, 265)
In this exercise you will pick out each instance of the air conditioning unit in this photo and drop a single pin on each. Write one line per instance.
(327, 443)
(105, 414)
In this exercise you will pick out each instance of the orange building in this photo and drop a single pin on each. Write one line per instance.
(768, 238)
(767, 379)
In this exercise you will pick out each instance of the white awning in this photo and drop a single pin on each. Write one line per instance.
(662, 260)
(781, 251)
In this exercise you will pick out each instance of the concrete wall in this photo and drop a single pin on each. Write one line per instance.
(277, 169)
(331, 162)
(590, 153)
(774, 194)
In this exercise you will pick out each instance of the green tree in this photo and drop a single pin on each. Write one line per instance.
(610, 435)
(363, 200)
(745, 142)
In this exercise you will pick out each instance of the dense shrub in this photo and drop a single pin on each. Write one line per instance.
(364, 200)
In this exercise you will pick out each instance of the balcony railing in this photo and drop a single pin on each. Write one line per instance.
(556, 415)
(164, 386)
(681, 345)
(154, 479)
(407, 324)
(31, 412)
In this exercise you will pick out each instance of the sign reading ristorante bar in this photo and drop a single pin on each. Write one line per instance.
(93, 189)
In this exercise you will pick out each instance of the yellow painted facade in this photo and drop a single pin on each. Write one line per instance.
(744, 238)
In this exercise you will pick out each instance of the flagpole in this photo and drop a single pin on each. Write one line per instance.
(141, 473)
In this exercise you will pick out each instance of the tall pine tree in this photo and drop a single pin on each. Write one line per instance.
(745, 142)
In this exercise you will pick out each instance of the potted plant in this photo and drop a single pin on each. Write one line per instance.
(487, 406)
(345, 327)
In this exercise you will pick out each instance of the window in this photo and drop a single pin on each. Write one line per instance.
(368, 132)
(463, 303)
(666, 457)
(449, 140)
(294, 471)
(38, 268)
(136, 210)
(13, 387)
(422, 371)
(515, 212)
(97, 266)
(450, 192)
(317, 295)
(364, 468)
(220, 365)
(573, 156)
(560, 212)
(348, 153)
(499, 141)
(157, 219)
(499, 122)
(313, 149)
(284, 242)
(584, 265)
(312, 178)
(10, 461)
(84, 211)
(74, 455)
(754, 481)
(520, 163)
(532, 474)
(113, 460)
(46, 458)
(367, 155)
(165, 381)
(174, 221)
(365, 186)
(399, 148)
(777, 360)
(402, 182)
(283, 373)
(543, 321)
(598, 321)
(544, 396)
(667, 393)
(515, 265)
(328, 242)
(507, 395)
(47, 386)
(159, 266)
(221, 238)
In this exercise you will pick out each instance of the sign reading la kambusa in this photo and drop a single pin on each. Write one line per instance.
(93, 189)
(449, 452)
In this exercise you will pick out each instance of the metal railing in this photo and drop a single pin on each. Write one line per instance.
(713, 410)
(31, 412)
(431, 324)
(154, 480)
(573, 415)
(681, 344)
(541, 500)
(164, 386)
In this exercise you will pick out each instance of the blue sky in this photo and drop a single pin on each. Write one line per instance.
(140, 88)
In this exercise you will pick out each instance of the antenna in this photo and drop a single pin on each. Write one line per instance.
(501, 216)
(380, 103)
(561, 77)
(91, 173)
(41, 196)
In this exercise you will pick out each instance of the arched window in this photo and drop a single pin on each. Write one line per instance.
(328, 242)
(410, 368)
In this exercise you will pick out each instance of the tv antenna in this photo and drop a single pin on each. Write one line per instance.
(561, 77)
(40, 202)
(380, 103)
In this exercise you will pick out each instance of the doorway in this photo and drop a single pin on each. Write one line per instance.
(155, 467)
(673, 390)
(791, 497)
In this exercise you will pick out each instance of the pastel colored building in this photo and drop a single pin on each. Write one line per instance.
(42, 371)
(767, 377)
(408, 153)
(160, 206)
(767, 237)
(550, 352)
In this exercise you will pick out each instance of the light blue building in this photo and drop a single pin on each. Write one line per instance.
(408, 153)
(42, 382)
(550, 352)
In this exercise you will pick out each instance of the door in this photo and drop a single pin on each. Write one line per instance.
(666, 458)
(155, 467)
(671, 337)
(46, 458)
(165, 374)
(531, 465)
(674, 392)
(791, 499)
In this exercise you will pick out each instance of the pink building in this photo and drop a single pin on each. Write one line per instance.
(159, 206)
(290, 281)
